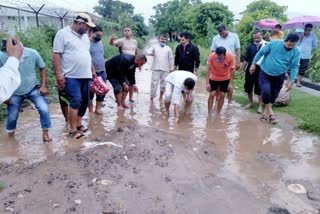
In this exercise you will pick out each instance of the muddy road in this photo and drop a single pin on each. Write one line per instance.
(139, 161)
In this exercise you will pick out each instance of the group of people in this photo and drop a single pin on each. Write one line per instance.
(78, 57)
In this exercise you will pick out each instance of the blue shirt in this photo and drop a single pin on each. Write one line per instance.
(230, 43)
(278, 60)
(307, 44)
(31, 60)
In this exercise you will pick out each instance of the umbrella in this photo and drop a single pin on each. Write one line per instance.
(266, 24)
(300, 22)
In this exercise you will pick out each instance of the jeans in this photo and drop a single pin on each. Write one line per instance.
(103, 75)
(38, 100)
(78, 94)
(270, 86)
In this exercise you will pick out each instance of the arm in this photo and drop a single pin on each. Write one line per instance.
(150, 52)
(93, 71)
(262, 52)
(43, 88)
(112, 39)
(238, 53)
(171, 60)
(56, 62)
(209, 69)
(232, 71)
(314, 42)
(176, 58)
(213, 45)
(294, 66)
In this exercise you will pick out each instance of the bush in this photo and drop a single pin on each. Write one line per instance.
(314, 68)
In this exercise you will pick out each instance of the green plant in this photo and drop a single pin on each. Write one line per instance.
(2, 186)
(314, 68)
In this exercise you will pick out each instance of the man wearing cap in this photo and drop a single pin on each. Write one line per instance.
(72, 65)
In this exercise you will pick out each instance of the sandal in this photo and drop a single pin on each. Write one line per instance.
(82, 128)
(272, 119)
(76, 135)
(264, 118)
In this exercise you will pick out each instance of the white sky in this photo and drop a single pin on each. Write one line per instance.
(295, 7)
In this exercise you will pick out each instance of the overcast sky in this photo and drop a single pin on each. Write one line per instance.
(295, 7)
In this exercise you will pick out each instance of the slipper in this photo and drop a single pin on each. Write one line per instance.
(272, 119)
(299, 85)
(131, 100)
(82, 128)
(259, 111)
(264, 118)
(76, 135)
(47, 140)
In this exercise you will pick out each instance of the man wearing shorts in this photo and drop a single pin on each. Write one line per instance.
(72, 65)
(179, 83)
(219, 76)
(121, 74)
(307, 43)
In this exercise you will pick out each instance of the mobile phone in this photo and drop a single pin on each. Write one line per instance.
(4, 44)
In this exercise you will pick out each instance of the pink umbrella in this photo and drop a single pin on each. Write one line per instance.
(300, 22)
(266, 24)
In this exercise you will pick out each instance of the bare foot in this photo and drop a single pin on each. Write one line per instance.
(120, 108)
(11, 134)
(98, 112)
(125, 106)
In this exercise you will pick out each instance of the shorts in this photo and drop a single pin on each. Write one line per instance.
(222, 85)
(117, 87)
(304, 64)
(252, 82)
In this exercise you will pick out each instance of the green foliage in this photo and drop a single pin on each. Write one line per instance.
(41, 39)
(314, 68)
(112, 10)
(257, 10)
(200, 19)
(2, 186)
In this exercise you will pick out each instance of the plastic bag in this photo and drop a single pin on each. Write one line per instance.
(99, 87)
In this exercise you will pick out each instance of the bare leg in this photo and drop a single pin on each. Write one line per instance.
(90, 106)
(211, 101)
(167, 106)
(73, 120)
(45, 136)
(98, 108)
(230, 93)
(176, 113)
(65, 112)
(250, 97)
(123, 99)
(299, 80)
(161, 95)
(269, 109)
(131, 95)
(118, 99)
(220, 102)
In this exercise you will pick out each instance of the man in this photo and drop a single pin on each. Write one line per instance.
(252, 80)
(73, 69)
(230, 41)
(30, 88)
(126, 45)
(219, 76)
(307, 43)
(163, 63)
(179, 83)
(10, 76)
(187, 56)
(97, 55)
(279, 57)
(277, 33)
(120, 69)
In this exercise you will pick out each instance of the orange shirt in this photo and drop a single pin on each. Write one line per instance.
(221, 71)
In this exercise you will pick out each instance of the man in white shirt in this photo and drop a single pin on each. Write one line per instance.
(163, 63)
(179, 83)
(10, 76)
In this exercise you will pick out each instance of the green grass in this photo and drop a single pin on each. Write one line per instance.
(304, 107)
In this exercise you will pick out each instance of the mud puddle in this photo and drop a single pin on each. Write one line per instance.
(252, 162)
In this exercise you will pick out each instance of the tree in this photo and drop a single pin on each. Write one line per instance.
(255, 11)
(112, 9)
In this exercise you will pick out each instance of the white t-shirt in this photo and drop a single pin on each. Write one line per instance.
(75, 53)
(177, 78)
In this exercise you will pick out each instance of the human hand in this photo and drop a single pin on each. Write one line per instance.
(242, 72)
(208, 87)
(14, 50)
(60, 82)
(289, 86)
(252, 68)
(125, 86)
(237, 66)
(135, 88)
(94, 75)
(44, 90)
(196, 72)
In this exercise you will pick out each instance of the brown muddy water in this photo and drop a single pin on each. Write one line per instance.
(260, 157)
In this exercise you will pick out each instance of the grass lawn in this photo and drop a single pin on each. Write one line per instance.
(304, 107)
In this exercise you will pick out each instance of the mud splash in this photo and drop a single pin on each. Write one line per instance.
(262, 158)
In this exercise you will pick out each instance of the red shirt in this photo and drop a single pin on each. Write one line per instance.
(221, 71)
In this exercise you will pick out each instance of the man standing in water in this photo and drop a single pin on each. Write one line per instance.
(252, 80)
(279, 57)
(126, 45)
(163, 63)
(230, 41)
(179, 83)
(219, 76)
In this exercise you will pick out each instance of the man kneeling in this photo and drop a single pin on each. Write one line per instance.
(178, 83)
